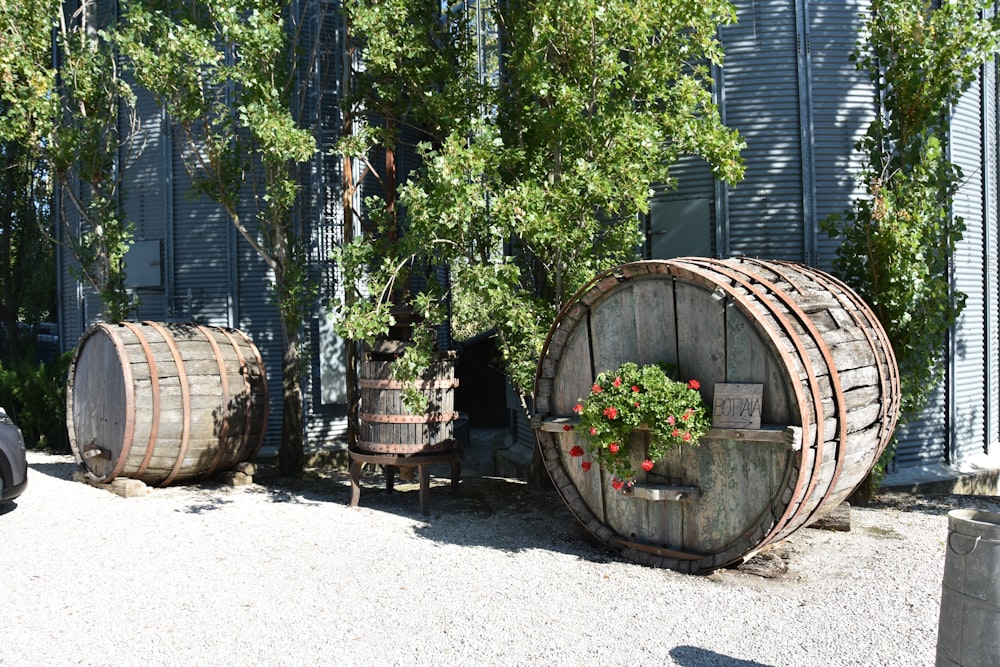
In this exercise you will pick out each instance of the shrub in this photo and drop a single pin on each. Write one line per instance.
(34, 395)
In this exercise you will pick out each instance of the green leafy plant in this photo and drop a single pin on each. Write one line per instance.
(67, 109)
(225, 72)
(411, 80)
(34, 395)
(631, 397)
(898, 239)
(530, 185)
(27, 256)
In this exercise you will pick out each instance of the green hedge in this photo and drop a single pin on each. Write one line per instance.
(34, 395)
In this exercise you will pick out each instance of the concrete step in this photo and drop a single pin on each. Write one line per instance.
(514, 461)
(979, 475)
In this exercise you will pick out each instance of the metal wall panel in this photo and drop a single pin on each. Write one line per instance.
(922, 440)
(259, 318)
(254, 312)
(765, 212)
(969, 346)
(70, 299)
(322, 215)
(843, 101)
(991, 243)
(145, 183)
(146, 204)
(198, 267)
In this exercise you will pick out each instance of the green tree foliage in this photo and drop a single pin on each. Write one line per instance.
(27, 262)
(89, 144)
(531, 186)
(35, 397)
(58, 130)
(224, 71)
(25, 89)
(898, 239)
(412, 80)
(74, 116)
(26, 74)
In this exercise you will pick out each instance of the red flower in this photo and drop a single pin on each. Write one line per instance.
(647, 465)
(576, 451)
(617, 484)
(596, 389)
(617, 382)
(567, 427)
(611, 412)
(675, 433)
(593, 430)
(578, 408)
(687, 436)
(613, 448)
(635, 389)
(636, 404)
(694, 384)
(686, 416)
(585, 465)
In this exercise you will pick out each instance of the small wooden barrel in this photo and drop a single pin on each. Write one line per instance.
(388, 427)
(830, 403)
(164, 403)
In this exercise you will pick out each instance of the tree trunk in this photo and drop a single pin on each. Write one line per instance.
(350, 351)
(291, 453)
(9, 342)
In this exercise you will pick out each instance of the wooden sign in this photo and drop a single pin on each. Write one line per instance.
(737, 406)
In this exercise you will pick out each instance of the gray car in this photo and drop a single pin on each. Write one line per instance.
(13, 464)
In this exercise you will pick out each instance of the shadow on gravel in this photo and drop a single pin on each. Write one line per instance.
(933, 504)
(492, 512)
(692, 656)
(208, 505)
(476, 495)
(59, 469)
(497, 513)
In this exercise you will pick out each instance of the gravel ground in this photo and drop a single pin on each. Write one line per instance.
(285, 573)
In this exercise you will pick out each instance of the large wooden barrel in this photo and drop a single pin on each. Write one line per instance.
(830, 403)
(165, 403)
(389, 427)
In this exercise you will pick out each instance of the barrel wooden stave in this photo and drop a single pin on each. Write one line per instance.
(387, 426)
(819, 353)
(194, 400)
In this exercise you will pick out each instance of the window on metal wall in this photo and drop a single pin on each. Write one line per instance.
(678, 228)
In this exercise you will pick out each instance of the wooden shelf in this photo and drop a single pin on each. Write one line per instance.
(790, 436)
(664, 492)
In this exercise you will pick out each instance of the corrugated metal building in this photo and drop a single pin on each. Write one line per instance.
(801, 105)
(789, 88)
